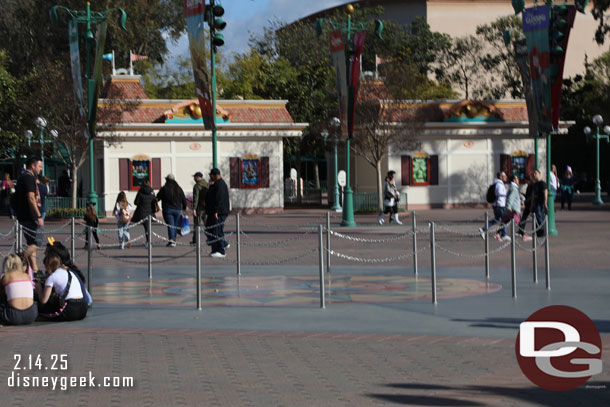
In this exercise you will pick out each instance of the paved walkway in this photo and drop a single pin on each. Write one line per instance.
(264, 341)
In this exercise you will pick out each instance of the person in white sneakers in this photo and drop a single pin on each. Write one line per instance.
(391, 197)
(499, 207)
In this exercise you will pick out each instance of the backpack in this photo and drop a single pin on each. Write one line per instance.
(124, 215)
(491, 193)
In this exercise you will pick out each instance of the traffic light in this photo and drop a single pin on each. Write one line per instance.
(214, 12)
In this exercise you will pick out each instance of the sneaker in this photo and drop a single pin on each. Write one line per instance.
(218, 255)
(228, 245)
(98, 246)
(122, 245)
(506, 238)
(380, 220)
(482, 233)
(171, 243)
(527, 238)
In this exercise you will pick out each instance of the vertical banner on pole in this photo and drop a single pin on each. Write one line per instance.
(558, 59)
(75, 62)
(536, 27)
(337, 52)
(194, 11)
(522, 58)
(354, 78)
(97, 76)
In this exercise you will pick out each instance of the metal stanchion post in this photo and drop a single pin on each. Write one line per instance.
(414, 223)
(89, 257)
(535, 247)
(513, 259)
(238, 239)
(198, 243)
(72, 237)
(328, 242)
(486, 238)
(321, 252)
(150, 235)
(17, 236)
(547, 258)
(433, 261)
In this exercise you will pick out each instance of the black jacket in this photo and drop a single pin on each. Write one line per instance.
(144, 203)
(172, 196)
(217, 199)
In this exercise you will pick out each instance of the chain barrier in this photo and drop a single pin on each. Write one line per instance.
(375, 260)
(10, 232)
(539, 245)
(129, 226)
(363, 240)
(275, 262)
(275, 244)
(180, 227)
(57, 229)
(472, 256)
(166, 260)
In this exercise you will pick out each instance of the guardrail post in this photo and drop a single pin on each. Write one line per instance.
(198, 243)
(321, 253)
(414, 223)
(238, 242)
(433, 261)
(547, 254)
(150, 246)
(513, 258)
(89, 257)
(535, 247)
(72, 237)
(328, 242)
(486, 238)
(17, 237)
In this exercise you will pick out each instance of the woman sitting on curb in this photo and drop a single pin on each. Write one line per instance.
(17, 306)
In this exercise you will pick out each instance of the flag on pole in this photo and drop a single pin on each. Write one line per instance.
(135, 57)
(108, 57)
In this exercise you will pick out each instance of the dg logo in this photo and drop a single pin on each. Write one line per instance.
(559, 348)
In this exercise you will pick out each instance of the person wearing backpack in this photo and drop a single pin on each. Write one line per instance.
(122, 212)
(200, 191)
(499, 205)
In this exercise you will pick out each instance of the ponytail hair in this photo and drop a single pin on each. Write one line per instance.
(59, 250)
(12, 262)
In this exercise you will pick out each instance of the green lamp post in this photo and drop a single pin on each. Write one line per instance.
(213, 12)
(598, 121)
(335, 122)
(351, 32)
(90, 18)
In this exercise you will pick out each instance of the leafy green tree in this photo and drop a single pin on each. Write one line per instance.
(600, 11)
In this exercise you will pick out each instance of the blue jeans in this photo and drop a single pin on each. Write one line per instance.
(540, 215)
(172, 217)
(123, 231)
(499, 214)
(215, 233)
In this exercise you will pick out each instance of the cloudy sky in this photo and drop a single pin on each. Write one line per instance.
(244, 17)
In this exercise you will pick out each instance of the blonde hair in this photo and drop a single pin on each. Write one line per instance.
(12, 262)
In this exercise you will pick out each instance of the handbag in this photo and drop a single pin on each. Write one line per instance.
(389, 202)
(185, 228)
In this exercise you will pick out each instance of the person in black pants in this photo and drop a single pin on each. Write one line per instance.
(217, 210)
(145, 205)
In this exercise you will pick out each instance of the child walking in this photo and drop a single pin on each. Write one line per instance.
(122, 212)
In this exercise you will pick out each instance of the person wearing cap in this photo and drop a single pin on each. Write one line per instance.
(173, 203)
(200, 190)
(567, 188)
(217, 210)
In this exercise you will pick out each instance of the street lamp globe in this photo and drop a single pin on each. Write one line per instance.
(587, 130)
(598, 119)
(41, 122)
(54, 133)
(335, 122)
(324, 134)
(28, 134)
(607, 129)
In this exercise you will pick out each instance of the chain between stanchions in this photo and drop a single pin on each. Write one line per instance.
(363, 240)
(10, 232)
(375, 260)
(472, 256)
(57, 228)
(271, 263)
(278, 243)
(160, 222)
(166, 260)
(539, 245)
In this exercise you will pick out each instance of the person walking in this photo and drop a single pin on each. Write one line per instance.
(217, 210)
(28, 212)
(539, 200)
(122, 212)
(173, 203)
(200, 191)
(513, 203)
(93, 222)
(567, 188)
(527, 208)
(146, 203)
(8, 189)
(43, 191)
(391, 197)
(499, 207)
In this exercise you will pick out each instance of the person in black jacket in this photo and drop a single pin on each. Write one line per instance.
(217, 210)
(173, 203)
(145, 205)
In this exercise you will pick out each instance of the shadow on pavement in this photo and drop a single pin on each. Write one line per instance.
(591, 393)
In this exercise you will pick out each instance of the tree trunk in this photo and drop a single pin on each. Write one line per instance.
(316, 174)
(379, 185)
(74, 185)
(299, 192)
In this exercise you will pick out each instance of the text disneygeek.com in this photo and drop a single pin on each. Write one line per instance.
(58, 363)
